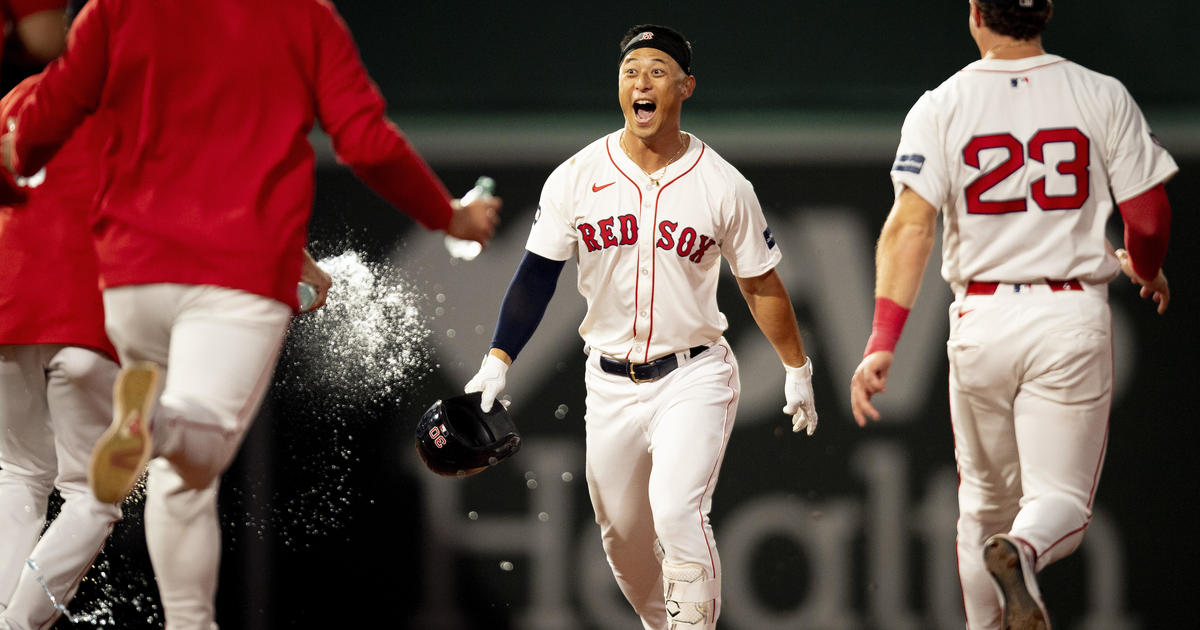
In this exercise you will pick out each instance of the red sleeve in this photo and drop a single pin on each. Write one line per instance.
(25, 8)
(10, 193)
(11, 103)
(70, 89)
(1147, 230)
(353, 113)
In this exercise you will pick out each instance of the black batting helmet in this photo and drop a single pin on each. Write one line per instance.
(455, 438)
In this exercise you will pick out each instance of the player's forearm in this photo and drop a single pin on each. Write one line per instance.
(407, 182)
(1147, 229)
(39, 133)
(901, 256)
(771, 307)
(524, 304)
(67, 92)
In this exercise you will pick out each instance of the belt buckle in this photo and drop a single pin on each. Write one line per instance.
(633, 376)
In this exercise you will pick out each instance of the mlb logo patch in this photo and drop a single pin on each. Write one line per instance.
(910, 163)
(537, 215)
(769, 238)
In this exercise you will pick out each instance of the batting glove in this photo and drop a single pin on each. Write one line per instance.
(798, 391)
(489, 380)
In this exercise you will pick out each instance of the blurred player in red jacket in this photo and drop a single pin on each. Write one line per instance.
(207, 187)
(56, 364)
(56, 376)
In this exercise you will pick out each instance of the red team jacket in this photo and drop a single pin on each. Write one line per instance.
(49, 292)
(206, 170)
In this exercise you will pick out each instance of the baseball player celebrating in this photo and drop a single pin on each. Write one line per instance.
(56, 377)
(200, 229)
(1023, 152)
(647, 212)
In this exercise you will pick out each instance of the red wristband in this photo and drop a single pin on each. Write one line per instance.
(886, 327)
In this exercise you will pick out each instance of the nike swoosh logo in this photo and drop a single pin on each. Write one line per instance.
(962, 314)
(596, 188)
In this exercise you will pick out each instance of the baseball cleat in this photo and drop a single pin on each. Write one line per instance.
(1016, 584)
(120, 455)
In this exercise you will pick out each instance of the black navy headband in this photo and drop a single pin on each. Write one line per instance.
(665, 40)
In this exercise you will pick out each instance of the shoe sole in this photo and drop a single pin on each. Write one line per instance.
(121, 454)
(1023, 610)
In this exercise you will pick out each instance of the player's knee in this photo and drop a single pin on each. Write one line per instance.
(175, 492)
(79, 366)
(1067, 503)
(194, 438)
(691, 596)
(676, 516)
(81, 505)
(37, 483)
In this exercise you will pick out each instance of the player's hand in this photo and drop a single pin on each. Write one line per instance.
(10, 193)
(870, 378)
(489, 380)
(798, 391)
(475, 221)
(8, 151)
(311, 273)
(1158, 290)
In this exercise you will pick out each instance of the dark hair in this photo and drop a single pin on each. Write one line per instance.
(665, 38)
(1016, 22)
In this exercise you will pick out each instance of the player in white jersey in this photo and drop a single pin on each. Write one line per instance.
(1023, 152)
(647, 213)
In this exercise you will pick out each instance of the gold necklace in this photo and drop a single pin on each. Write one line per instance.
(662, 171)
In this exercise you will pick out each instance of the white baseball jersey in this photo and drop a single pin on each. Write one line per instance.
(648, 255)
(1021, 156)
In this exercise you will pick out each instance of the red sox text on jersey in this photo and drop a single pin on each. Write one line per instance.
(623, 230)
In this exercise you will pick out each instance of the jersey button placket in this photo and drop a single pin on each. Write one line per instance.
(645, 292)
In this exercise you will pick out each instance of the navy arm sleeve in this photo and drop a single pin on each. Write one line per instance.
(525, 302)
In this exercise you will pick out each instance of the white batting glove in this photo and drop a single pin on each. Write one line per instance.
(489, 380)
(798, 392)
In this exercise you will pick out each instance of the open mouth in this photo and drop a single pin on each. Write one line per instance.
(643, 110)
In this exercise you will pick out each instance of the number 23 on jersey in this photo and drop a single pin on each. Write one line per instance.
(1075, 167)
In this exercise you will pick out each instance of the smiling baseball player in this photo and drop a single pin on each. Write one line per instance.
(648, 212)
(1023, 152)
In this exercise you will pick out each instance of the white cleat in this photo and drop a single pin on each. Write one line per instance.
(1016, 583)
(120, 456)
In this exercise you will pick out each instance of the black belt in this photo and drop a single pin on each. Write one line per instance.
(646, 372)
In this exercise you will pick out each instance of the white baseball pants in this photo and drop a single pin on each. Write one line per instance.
(217, 348)
(1030, 390)
(55, 401)
(654, 451)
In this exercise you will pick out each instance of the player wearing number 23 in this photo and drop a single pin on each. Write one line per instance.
(1024, 153)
